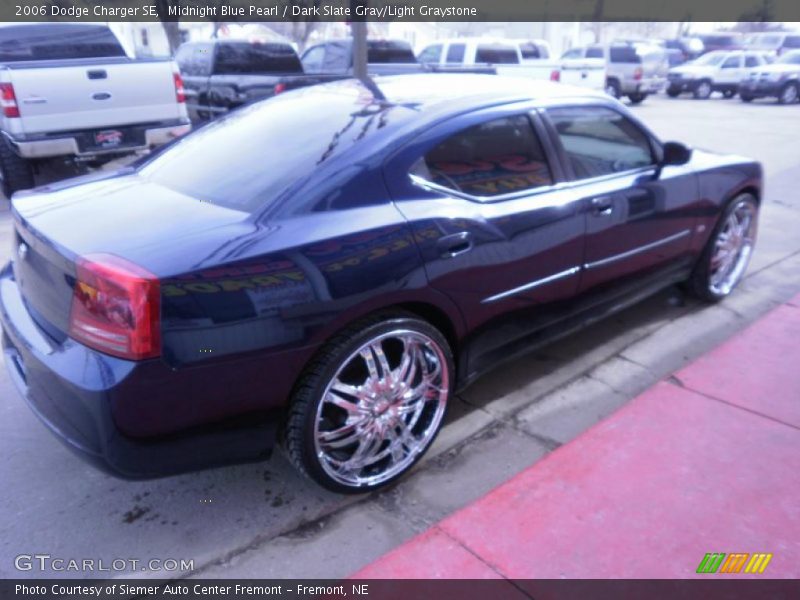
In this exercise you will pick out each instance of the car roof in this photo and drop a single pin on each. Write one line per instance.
(474, 90)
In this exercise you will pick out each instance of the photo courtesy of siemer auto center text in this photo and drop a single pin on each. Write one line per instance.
(425, 299)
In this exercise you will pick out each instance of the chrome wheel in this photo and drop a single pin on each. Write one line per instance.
(789, 94)
(381, 409)
(733, 248)
(703, 90)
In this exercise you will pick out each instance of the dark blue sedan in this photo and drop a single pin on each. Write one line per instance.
(325, 268)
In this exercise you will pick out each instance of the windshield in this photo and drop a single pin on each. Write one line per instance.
(789, 59)
(711, 59)
(255, 154)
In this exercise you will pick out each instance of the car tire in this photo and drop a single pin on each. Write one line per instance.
(354, 425)
(789, 94)
(673, 92)
(703, 89)
(637, 98)
(728, 93)
(746, 97)
(16, 173)
(728, 250)
(613, 88)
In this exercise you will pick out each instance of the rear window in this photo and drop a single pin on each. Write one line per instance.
(252, 156)
(389, 52)
(243, 57)
(57, 40)
(496, 54)
(624, 54)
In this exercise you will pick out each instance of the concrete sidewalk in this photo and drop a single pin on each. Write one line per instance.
(705, 461)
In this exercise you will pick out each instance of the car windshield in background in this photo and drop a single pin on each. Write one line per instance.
(57, 41)
(389, 52)
(246, 159)
(530, 51)
(711, 59)
(243, 57)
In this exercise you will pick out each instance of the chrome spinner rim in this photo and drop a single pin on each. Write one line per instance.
(382, 408)
(733, 248)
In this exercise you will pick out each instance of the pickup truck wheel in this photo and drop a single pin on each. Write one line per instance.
(727, 253)
(637, 98)
(746, 97)
(789, 93)
(16, 173)
(703, 89)
(371, 403)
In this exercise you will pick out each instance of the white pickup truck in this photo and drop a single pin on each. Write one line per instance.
(70, 90)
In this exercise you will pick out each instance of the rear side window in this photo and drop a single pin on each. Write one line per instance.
(496, 54)
(243, 57)
(594, 53)
(389, 52)
(50, 41)
(599, 141)
(455, 54)
(499, 157)
(529, 51)
(624, 54)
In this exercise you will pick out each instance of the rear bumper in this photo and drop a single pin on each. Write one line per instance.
(102, 407)
(46, 146)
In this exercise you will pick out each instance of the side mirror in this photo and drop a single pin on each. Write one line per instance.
(676, 153)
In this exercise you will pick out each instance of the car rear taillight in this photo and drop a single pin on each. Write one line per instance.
(180, 92)
(279, 87)
(637, 73)
(555, 75)
(116, 307)
(8, 100)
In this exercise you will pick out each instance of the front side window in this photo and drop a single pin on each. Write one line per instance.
(594, 52)
(502, 156)
(751, 61)
(732, 63)
(431, 54)
(599, 141)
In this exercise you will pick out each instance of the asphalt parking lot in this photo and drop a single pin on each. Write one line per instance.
(263, 520)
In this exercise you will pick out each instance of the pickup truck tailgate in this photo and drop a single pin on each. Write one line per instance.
(70, 95)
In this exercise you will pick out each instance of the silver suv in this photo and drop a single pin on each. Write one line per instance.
(633, 69)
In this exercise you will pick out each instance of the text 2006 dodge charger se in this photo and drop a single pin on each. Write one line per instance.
(325, 268)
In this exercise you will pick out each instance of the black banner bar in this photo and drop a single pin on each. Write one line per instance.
(711, 588)
(399, 10)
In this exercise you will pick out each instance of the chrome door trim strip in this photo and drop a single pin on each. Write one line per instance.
(611, 259)
(532, 284)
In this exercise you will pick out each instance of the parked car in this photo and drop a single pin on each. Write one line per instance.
(721, 41)
(688, 47)
(777, 42)
(633, 69)
(69, 91)
(384, 57)
(714, 72)
(221, 75)
(504, 57)
(575, 68)
(780, 80)
(328, 266)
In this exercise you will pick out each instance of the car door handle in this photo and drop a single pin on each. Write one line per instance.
(602, 205)
(454, 244)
